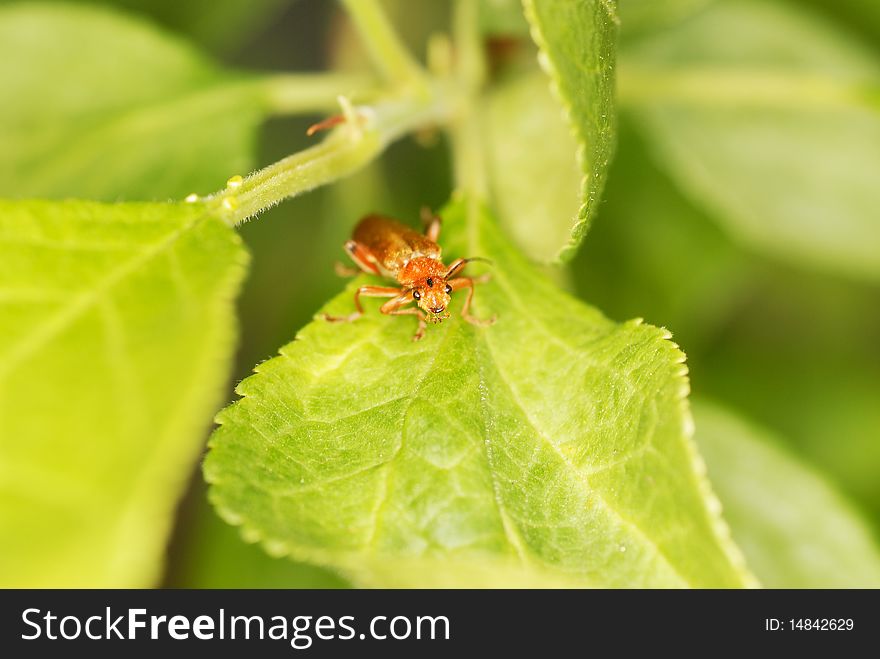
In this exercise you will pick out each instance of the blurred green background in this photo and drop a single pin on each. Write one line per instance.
(793, 348)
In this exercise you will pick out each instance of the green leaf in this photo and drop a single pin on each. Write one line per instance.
(104, 107)
(862, 17)
(772, 121)
(552, 447)
(221, 26)
(796, 531)
(533, 171)
(117, 333)
(577, 42)
(793, 350)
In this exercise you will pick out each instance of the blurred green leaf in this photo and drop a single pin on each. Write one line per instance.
(651, 253)
(117, 332)
(533, 170)
(108, 108)
(220, 26)
(800, 356)
(641, 16)
(772, 121)
(553, 445)
(577, 42)
(862, 17)
(796, 531)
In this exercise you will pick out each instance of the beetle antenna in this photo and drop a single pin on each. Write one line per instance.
(460, 263)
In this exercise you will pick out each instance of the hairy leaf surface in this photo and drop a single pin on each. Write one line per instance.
(550, 448)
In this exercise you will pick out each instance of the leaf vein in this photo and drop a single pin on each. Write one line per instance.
(85, 301)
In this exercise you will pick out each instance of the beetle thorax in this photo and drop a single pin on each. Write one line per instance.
(420, 268)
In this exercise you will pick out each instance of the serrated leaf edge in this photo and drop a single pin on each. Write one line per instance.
(582, 218)
(714, 509)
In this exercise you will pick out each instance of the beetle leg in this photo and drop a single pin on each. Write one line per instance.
(362, 257)
(432, 223)
(420, 331)
(368, 291)
(392, 308)
(468, 283)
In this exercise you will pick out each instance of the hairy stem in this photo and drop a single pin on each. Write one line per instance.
(348, 148)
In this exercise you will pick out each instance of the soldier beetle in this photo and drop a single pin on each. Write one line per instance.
(382, 246)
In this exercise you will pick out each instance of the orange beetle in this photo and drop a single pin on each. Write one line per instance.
(382, 246)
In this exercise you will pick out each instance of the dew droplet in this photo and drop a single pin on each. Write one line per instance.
(234, 182)
(191, 198)
(622, 549)
(230, 203)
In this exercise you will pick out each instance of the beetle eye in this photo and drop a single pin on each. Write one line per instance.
(429, 282)
(448, 288)
(417, 295)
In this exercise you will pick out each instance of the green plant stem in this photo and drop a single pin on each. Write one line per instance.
(298, 93)
(344, 151)
(394, 61)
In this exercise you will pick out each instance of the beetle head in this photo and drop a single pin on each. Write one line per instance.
(432, 296)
